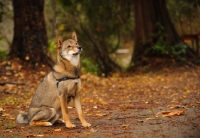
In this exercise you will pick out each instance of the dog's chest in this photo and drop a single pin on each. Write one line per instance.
(72, 87)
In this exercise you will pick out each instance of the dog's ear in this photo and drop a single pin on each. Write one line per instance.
(73, 36)
(59, 42)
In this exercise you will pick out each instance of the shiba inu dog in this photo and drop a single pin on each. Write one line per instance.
(49, 103)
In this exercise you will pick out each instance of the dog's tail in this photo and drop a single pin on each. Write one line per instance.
(22, 118)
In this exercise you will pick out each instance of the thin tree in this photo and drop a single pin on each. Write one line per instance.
(30, 36)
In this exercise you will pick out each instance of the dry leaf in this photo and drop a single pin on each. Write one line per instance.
(88, 133)
(57, 130)
(102, 101)
(95, 107)
(39, 135)
(87, 100)
(27, 58)
(43, 73)
(100, 114)
(175, 106)
(1, 109)
(171, 113)
(92, 130)
(149, 118)
(16, 66)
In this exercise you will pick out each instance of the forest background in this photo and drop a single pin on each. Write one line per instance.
(105, 27)
(140, 65)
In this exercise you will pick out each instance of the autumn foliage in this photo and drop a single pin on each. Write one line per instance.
(139, 104)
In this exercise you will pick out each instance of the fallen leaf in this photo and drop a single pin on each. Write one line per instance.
(149, 118)
(16, 66)
(92, 130)
(1, 109)
(43, 73)
(100, 114)
(165, 87)
(39, 135)
(27, 58)
(171, 113)
(175, 106)
(125, 125)
(102, 101)
(6, 115)
(95, 107)
(57, 130)
(87, 100)
(88, 133)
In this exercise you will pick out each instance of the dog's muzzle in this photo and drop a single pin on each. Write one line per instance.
(79, 50)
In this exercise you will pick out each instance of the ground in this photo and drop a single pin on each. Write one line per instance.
(162, 103)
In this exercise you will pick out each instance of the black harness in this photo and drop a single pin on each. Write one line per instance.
(65, 78)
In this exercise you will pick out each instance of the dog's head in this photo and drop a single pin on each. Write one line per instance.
(69, 48)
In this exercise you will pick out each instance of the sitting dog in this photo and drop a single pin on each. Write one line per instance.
(49, 103)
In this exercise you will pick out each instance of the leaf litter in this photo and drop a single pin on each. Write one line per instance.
(117, 105)
(171, 113)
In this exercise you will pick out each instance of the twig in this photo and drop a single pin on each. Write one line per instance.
(12, 82)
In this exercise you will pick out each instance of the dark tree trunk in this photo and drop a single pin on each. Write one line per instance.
(101, 56)
(30, 36)
(150, 15)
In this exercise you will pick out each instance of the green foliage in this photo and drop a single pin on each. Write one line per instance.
(101, 25)
(185, 7)
(162, 48)
(109, 21)
(51, 46)
(104, 25)
(52, 49)
(3, 54)
(90, 66)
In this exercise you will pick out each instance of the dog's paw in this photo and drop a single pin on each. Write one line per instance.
(86, 124)
(70, 125)
(48, 124)
(60, 121)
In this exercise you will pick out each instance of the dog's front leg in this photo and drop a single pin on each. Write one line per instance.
(65, 111)
(77, 103)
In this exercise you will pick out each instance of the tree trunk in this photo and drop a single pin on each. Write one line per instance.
(101, 56)
(151, 16)
(30, 36)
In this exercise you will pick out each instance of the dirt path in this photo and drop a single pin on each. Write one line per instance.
(161, 104)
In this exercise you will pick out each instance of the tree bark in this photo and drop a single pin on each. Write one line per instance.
(148, 14)
(30, 36)
(101, 56)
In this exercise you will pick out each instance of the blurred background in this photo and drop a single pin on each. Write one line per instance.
(103, 25)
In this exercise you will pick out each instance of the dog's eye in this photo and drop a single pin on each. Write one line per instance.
(68, 46)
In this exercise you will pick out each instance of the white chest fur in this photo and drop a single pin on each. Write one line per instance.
(75, 60)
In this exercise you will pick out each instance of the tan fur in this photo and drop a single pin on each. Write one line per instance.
(49, 104)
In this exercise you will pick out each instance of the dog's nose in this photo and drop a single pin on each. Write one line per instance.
(79, 47)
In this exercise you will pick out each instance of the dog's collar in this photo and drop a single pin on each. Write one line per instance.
(65, 78)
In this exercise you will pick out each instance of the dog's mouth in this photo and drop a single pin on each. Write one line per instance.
(79, 51)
